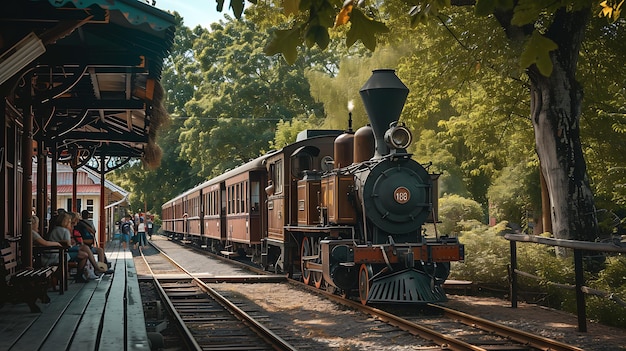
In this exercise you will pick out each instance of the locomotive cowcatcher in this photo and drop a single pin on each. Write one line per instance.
(343, 211)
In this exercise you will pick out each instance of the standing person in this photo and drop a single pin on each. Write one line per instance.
(126, 229)
(141, 234)
(135, 223)
(149, 224)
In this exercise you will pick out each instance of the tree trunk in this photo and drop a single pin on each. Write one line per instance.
(546, 216)
(555, 111)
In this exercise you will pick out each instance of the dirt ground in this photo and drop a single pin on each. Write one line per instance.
(543, 321)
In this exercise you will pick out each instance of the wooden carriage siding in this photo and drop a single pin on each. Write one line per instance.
(97, 315)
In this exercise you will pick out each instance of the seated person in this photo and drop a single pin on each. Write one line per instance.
(37, 239)
(77, 253)
(81, 247)
(87, 233)
(41, 242)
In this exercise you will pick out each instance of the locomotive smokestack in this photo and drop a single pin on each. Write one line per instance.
(384, 96)
(350, 108)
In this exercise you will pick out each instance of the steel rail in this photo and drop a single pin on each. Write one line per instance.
(273, 339)
(535, 341)
(187, 336)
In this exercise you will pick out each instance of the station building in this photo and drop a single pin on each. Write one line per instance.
(88, 195)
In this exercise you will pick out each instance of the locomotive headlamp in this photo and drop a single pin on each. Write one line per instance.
(398, 136)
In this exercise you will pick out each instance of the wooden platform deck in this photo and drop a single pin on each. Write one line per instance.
(105, 314)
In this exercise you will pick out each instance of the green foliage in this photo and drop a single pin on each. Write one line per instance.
(485, 255)
(242, 95)
(287, 131)
(285, 42)
(429, 149)
(515, 194)
(487, 7)
(454, 209)
(611, 279)
(469, 92)
(336, 91)
(236, 5)
(603, 110)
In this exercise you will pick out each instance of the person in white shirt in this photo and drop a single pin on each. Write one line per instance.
(141, 234)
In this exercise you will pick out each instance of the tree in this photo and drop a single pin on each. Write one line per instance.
(551, 34)
(241, 95)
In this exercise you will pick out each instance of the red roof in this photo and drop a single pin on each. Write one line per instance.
(80, 189)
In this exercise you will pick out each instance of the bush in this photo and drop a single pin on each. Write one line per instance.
(454, 209)
(611, 279)
(486, 256)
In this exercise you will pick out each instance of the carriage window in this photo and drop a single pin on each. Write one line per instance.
(244, 197)
(230, 200)
(255, 196)
(303, 162)
(278, 180)
(216, 203)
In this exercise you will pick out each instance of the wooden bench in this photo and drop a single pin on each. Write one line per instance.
(63, 265)
(24, 285)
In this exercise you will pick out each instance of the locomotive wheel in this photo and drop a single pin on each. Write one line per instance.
(318, 279)
(305, 250)
(365, 274)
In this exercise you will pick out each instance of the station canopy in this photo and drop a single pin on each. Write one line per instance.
(90, 72)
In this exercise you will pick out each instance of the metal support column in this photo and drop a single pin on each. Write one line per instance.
(27, 184)
(102, 238)
(42, 187)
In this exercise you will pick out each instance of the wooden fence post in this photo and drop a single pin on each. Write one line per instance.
(580, 295)
(513, 288)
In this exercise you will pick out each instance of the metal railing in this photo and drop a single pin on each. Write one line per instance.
(579, 286)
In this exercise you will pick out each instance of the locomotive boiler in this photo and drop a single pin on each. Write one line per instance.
(339, 210)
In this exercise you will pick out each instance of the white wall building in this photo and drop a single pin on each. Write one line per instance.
(87, 194)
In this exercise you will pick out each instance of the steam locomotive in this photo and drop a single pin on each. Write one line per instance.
(343, 211)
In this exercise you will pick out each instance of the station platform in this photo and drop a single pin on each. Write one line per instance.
(104, 314)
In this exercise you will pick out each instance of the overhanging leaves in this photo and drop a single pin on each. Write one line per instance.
(291, 7)
(237, 6)
(537, 52)
(285, 42)
(487, 7)
(365, 29)
(317, 35)
(526, 12)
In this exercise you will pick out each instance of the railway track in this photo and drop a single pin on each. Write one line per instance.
(209, 321)
(444, 330)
